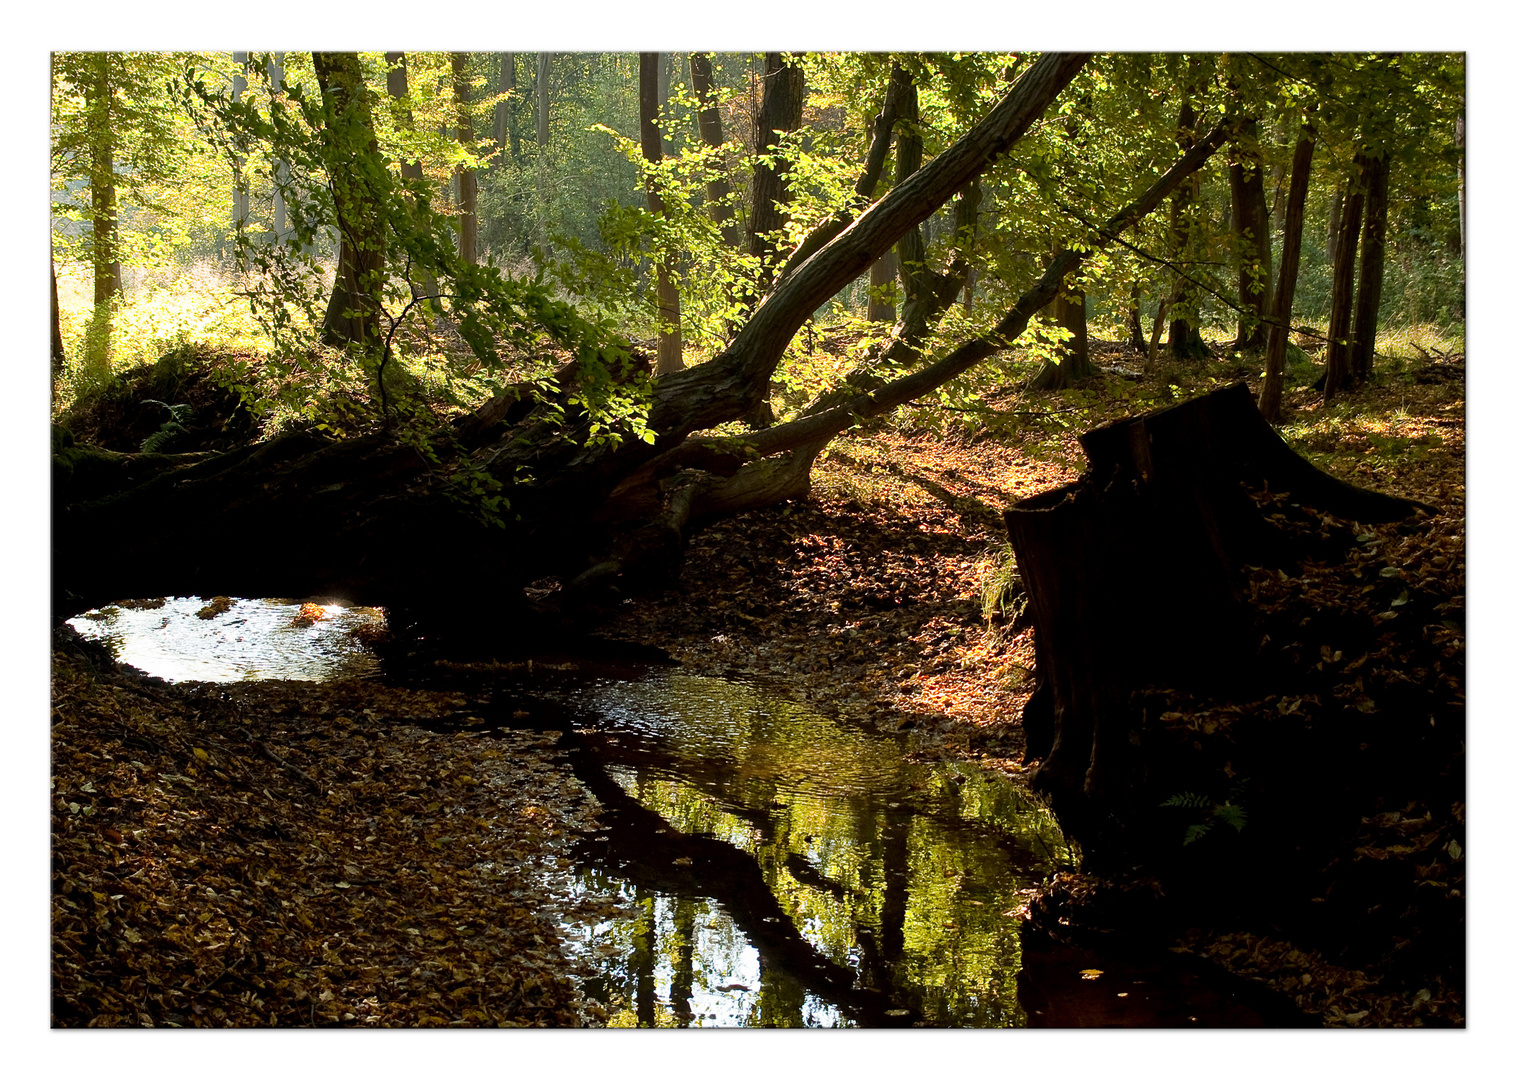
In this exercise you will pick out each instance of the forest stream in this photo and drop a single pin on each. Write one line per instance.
(778, 868)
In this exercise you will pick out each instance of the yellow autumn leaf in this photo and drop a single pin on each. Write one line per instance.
(201, 754)
(1091, 973)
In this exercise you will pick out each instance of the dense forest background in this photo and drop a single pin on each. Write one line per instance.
(540, 163)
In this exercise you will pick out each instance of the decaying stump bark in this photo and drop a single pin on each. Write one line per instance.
(1133, 574)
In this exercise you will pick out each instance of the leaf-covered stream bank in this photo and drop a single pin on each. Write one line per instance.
(300, 854)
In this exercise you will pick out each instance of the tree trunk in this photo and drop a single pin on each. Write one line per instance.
(784, 94)
(281, 167)
(881, 307)
(708, 121)
(103, 209)
(1250, 221)
(540, 97)
(670, 342)
(352, 315)
(1285, 288)
(505, 110)
(468, 182)
(1135, 336)
(1335, 228)
(1068, 309)
(1340, 375)
(380, 522)
(1157, 530)
(241, 208)
(1459, 146)
(1184, 334)
(56, 353)
(1371, 266)
(397, 87)
(911, 249)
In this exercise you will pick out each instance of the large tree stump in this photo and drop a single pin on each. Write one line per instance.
(1133, 574)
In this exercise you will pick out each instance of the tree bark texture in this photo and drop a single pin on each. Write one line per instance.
(1340, 375)
(1285, 288)
(1156, 530)
(1251, 232)
(1371, 267)
(780, 113)
(352, 315)
(666, 292)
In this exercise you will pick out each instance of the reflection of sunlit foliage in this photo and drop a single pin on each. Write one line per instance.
(906, 872)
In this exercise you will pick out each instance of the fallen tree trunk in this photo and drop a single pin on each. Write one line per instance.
(1136, 581)
(396, 520)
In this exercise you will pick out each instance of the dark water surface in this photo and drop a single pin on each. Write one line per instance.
(783, 869)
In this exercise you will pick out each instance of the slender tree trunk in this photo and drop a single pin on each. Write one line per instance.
(103, 208)
(1340, 375)
(911, 248)
(241, 208)
(1285, 287)
(56, 351)
(881, 307)
(670, 342)
(353, 165)
(1371, 266)
(784, 94)
(281, 167)
(708, 121)
(396, 85)
(1334, 228)
(1184, 335)
(505, 110)
(1459, 145)
(540, 96)
(468, 181)
(1135, 318)
(1250, 220)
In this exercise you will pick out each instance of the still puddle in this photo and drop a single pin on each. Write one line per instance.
(786, 869)
(184, 638)
(775, 868)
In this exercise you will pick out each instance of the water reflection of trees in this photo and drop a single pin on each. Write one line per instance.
(900, 873)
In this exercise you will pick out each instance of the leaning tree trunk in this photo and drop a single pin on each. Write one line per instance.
(377, 520)
(1133, 579)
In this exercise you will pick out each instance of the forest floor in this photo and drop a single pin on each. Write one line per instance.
(294, 855)
(882, 597)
